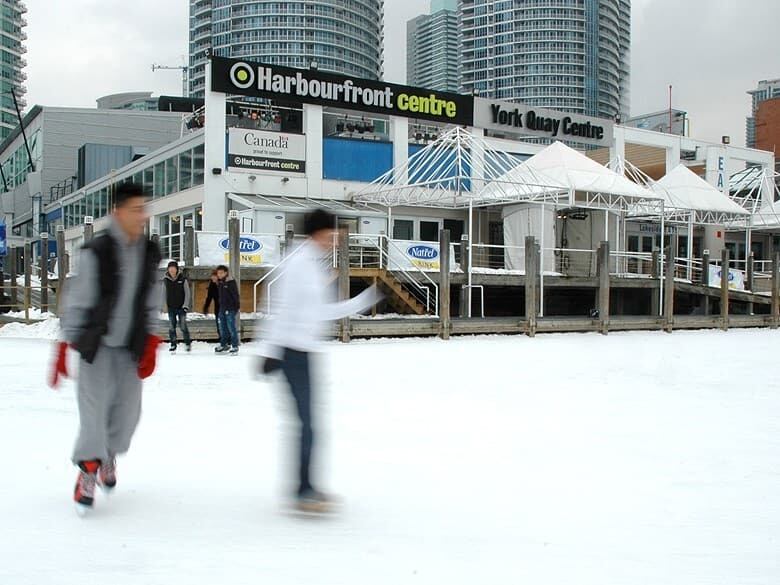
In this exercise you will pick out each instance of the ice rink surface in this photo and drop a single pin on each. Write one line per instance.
(636, 458)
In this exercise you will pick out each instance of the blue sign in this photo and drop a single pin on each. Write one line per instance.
(246, 245)
(3, 241)
(421, 252)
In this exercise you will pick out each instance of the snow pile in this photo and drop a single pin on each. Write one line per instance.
(35, 314)
(47, 329)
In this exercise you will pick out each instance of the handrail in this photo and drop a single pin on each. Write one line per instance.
(267, 274)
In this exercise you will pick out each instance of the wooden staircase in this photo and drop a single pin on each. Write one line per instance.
(400, 299)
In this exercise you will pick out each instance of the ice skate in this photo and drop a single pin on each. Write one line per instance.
(84, 492)
(107, 475)
(313, 502)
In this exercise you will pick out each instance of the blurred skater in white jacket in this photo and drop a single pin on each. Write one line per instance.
(304, 305)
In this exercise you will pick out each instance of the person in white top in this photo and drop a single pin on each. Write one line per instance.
(303, 307)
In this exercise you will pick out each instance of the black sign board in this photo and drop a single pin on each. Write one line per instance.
(310, 86)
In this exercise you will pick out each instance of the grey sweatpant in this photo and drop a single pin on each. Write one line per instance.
(109, 399)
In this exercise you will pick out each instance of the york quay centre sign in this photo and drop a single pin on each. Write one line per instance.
(515, 118)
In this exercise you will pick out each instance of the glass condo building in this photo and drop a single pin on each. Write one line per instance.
(570, 55)
(340, 36)
(12, 23)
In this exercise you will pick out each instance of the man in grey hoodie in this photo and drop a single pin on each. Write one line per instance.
(111, 309)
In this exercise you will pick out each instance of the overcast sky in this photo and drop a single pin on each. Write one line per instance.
(711, 51)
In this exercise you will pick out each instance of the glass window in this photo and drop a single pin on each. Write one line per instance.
(159, 180)
(197, 165)
(148, 180)
(185, 170)
(403, 229)
(429, 231)
(172, 175)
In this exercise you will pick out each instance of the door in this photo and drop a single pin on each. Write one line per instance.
(496, 238)
(457, 228)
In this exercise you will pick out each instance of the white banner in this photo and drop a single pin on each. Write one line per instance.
(736, 278)
(408, 255)
(214, 249)
(260, 150)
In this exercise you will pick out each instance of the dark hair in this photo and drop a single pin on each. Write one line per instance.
(223, 268)
(127, 191)
(173, 263)
(316, 220)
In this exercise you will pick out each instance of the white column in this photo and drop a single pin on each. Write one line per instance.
(215, 187)
(716, 174)
(399, 135)
(672, 156)
(312, 126)
(617, 151)
(477, 159)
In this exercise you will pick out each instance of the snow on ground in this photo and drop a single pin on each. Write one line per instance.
(581, 459)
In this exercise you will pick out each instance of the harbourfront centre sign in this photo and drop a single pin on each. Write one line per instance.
(516, 118)
(311, 86)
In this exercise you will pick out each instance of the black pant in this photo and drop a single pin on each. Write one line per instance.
(295, 365)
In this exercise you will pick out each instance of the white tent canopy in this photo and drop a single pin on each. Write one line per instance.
(686, 193)
(586, 182)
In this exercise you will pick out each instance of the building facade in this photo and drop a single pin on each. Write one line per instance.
(432, 48)
(569, 55)
(339, 36)
(768, 127)
(69, 146)
(12, 49)
(767, 89)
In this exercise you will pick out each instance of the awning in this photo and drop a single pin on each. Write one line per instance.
(303, 204)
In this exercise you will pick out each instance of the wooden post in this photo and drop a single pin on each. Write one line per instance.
(531, 272)
(444, 283)
(28, 264)
(603, 276)
(465, 294)
(724, 289)
(13, 274)
(89, 229)
(655, 295)
(775, 289)
(669, 287)
(189, 243)
(44, 272)
(289, 234)
(234, 241)
(705, 280)
(343, 259)
(61, 266)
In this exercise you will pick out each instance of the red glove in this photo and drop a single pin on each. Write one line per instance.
(59, 367)
(149, 359)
